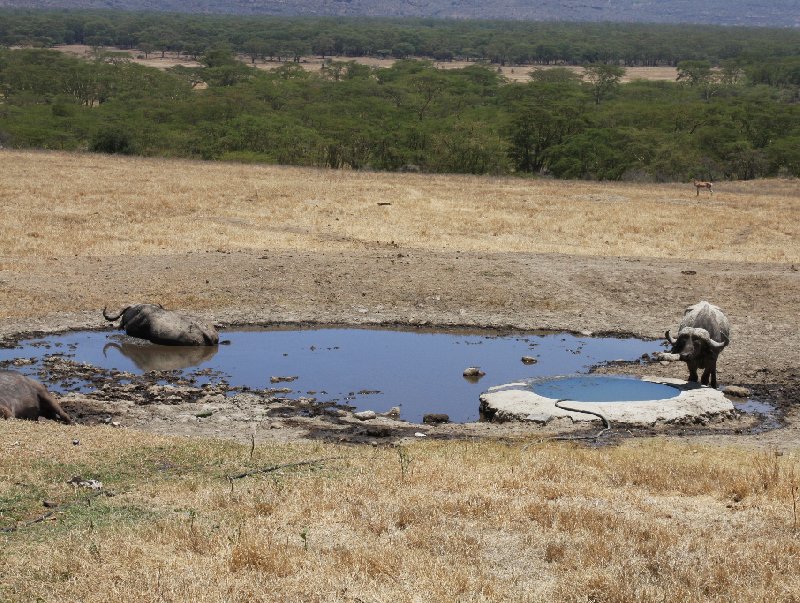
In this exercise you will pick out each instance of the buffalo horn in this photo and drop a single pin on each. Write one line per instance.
(669, 338)
(121, 312)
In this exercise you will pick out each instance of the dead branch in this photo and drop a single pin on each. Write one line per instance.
(606, 422)
(49, 514)
(272, 468)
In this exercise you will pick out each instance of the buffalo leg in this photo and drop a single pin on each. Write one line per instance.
(50, 409)
(5, 412)
(692, 371)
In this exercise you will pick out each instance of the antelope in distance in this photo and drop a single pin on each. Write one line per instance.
(698, 184)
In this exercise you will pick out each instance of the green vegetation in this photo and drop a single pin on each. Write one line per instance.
(517, 42)
(721, 119)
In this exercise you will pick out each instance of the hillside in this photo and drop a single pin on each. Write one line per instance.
(775, 13)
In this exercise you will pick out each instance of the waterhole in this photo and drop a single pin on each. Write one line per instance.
(366, 369)
(603, 388)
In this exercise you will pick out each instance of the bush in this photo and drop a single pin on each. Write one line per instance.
(112, 140)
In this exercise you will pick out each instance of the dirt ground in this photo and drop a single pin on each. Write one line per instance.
(380, 286)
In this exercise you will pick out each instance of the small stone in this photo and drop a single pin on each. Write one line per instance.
(365, 415)
(528, 360)
(435, 417)
(394, 412)
(736, 391)
(49, 504)
(419, 434)
(473, 371)
(76, 442)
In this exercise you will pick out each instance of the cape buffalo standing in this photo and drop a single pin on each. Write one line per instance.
(703, 334)
(154, 323)
(24, 398)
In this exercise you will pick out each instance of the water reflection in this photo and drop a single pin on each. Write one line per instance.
(370, 369)
(153, 357)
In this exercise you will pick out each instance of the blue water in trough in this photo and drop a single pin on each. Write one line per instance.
(603, 388)
(368, 369)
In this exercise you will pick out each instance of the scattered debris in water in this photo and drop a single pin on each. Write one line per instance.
(405, 374)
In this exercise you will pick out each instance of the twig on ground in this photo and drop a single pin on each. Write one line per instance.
(606, 422)
(50, 513)
(271, 468)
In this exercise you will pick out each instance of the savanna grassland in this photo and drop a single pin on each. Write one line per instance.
(313, 64)
(437, 521)
(128, 206)
(497, 514)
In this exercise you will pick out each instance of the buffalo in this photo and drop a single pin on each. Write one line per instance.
(703, 334)
(165, 327)
(23, 398)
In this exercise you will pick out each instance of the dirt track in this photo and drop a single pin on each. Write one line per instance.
(401, 286)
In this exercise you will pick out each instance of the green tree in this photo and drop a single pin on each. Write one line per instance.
(603, 79)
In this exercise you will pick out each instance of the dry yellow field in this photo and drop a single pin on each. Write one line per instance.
(120, 206)
(438, 521)
(515, 73)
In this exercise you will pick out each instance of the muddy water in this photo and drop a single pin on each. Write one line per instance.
(367, 369)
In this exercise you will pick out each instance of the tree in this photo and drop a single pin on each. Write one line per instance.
(698, 75)
(604, 80)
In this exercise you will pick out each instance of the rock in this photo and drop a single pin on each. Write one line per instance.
(473, 371)
(736, 391)
(282, 379)
(377, 431)
(435, 417)
(91, 484)
(394, 412)
(528, 360)
(365, 415)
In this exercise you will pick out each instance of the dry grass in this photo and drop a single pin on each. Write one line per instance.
(57, 204)
(457, 521)
(515, 73)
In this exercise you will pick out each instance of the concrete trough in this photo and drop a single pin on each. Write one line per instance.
(519, 402)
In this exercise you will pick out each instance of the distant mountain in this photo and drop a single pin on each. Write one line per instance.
(769, 13)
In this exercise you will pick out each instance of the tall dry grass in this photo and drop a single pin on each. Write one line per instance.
(57, 204)
(433, 521)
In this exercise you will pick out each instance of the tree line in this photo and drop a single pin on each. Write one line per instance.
(501, 42)
(712, 123)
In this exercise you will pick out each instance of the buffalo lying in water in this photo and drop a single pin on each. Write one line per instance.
(703, 334)
(154, 323)
(24, 398)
